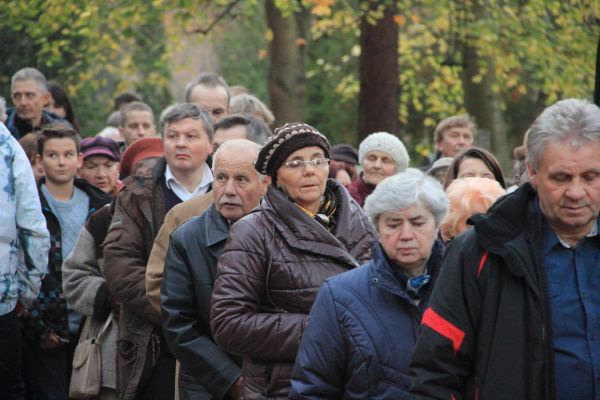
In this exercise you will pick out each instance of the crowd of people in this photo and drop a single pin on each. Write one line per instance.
(208, 256)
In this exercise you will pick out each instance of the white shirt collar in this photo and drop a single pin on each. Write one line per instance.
(180, 190)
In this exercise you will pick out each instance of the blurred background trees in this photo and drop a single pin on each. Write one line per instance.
(347, 67)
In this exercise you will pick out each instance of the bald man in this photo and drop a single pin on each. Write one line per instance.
(190, 269)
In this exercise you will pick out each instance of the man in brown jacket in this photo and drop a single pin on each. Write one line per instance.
(145, 367)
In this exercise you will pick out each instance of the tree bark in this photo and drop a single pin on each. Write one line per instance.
(287, 73)
(378, 65)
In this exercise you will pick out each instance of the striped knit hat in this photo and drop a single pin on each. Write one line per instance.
(286, 140)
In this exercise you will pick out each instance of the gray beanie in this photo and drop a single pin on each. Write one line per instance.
(387, 143)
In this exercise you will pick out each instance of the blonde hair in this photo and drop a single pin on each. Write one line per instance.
(468, 196)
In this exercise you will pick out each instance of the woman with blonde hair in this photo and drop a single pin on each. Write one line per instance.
(468, 196)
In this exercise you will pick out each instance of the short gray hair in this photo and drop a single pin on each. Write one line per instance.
(249, 104)
(181, 111)
(29, 73)
(405, 189)
(208, 79)
(574, 119)
(2, 109)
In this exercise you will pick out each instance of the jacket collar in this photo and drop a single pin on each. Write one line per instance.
(216, 228)
(384, 277)
(303, 232)
(96, 196)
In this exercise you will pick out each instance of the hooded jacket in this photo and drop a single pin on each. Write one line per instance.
(487, 333)
(268, 277)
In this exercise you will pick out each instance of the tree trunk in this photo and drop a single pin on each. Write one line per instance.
(378, 64)
(484, 106)
(287, 71)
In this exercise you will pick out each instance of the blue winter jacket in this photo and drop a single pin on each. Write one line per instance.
(361, 334)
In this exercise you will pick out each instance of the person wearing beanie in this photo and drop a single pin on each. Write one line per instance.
(342, 167)
(306, 229)
(141, 156)
(101, 157)
(380, 154)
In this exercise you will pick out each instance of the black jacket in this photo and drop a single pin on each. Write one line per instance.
(186, 289)
(487, 332)
(49, 312)
(362, 330)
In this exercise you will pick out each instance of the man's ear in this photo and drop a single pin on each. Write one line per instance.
(532, 175)
(79, 160)
(265, 184)
(38, 158)
(46, 97)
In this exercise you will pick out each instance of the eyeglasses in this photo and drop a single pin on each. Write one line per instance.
(317, 163)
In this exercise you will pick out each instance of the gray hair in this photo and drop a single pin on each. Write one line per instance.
(405, 189)
(574, 119)
(2, 109)
(181, 111)
(208, 79)
(249, 104)
(26, 74)
(257, 130)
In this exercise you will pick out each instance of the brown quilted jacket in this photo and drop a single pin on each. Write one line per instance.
(267, 280)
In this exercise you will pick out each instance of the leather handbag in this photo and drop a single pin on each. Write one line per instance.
(86, 377)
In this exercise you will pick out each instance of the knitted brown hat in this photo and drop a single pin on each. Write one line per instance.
(286, 140)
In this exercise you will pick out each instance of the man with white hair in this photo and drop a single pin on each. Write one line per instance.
(516, 313)
(29, 92)
(190, 270)
(380, 154)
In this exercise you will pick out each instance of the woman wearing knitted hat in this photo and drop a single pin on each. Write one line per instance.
(381, 154)
(306, 229)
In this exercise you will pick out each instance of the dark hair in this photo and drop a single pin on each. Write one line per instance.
(478, 153)
(125, 98)
(258, 131)
(57, 131)
(61, 99)
(182, 111)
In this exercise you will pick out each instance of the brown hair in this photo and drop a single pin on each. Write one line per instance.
(478, 153)
(462, 121)
(57, 131)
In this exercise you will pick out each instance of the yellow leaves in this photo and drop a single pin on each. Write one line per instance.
(400, 19)
(322, 8)
(269, 35)
(300, 42)
(262, 54)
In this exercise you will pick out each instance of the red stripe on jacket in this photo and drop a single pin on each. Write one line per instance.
(444, 328)
(482, 261)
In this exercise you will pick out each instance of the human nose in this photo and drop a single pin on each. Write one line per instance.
(406, 232)
(575, 191)
(230, 188)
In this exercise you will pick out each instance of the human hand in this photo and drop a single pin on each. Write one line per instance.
(52, 341)
(235, 389)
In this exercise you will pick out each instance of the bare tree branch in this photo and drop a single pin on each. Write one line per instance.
(216, 20)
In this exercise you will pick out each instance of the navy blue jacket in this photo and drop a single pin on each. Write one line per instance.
(361, 334)
(19, 128)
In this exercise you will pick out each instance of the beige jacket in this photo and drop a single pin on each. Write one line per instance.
(156, 263)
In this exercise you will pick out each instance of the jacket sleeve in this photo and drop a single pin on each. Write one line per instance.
(191, 345)
(31, 228)
(81, 275)
(241, 321)
(320, 366)
(156, 262)
(444, 356)
(362, 250)
(125, 257)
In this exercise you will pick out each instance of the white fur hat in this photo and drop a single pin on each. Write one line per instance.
(387, 143)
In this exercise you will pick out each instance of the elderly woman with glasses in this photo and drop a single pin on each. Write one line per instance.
(306, 230)
(364, 323)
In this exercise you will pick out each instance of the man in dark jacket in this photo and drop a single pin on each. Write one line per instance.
(207, 372)
(516, 313)
(29, 92)
(145, 367)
